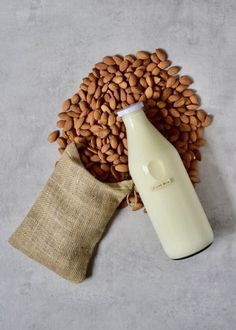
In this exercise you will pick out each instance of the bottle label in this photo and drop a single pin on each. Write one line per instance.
(162, 184)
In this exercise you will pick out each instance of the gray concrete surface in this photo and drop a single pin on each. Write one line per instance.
(47, 47)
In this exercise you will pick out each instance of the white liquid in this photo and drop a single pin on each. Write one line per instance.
(165, 188)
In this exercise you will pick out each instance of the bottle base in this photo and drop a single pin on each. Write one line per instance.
(193, 254)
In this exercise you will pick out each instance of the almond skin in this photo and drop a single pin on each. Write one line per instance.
(174, 113)
(201, 115)
(142, 55)
(68, 124)
(149, 92)
(133, 80)
(124, 65)
(61, 142)
(170, 81)
(60, 124)
(75, 99)
(101, 66)
(92, 88)
(121, 168)
(185, 80)
(179, 103)
(164, 64)
(66, 105)
(207, 121)
(108, 60)
(161, 54)
(53, 136)
(173, 70)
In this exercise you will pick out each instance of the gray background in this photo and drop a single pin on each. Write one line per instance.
(47, 47)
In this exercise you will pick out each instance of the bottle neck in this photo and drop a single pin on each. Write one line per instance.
(140, 130)
(135, 120)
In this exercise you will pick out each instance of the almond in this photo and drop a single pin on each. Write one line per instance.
(101, 66)
(161, 54)
(137, 206)
(194, 99)
(120, 148)
(112, 103)
(63, 115)
(207, 121)
(151, 66)
(156, 71)
(66, 105)
(173, 70)
(61, 142)
(117, 59)
(180, 88)
(95, 129)
(192, 106)
(193, 120)
(95, 158)
(104, 133)
(79, 122)
(170, 81)
(189, 113)
(188, 92)
(118, 79)
(75, 99)
(53, 136)
(129, 58)
(133, 80)
(149, 81)
(73, 114)
(154, 58)
(85, 132)
(60, 123)
(105, 167)
(164, 64)
(179, 103)
(174, 112)
(149, 92)
(104, 118)
(114, 129)
(97, 114)
(105, 108)
(121, 168)
(108, 78)
(136, 90)
(201, 115)
(125, 143)
(68, 124)
(184, 128)
(185, 80)
(142, 55)
(108, 60)
(184, 119)
(111, 119)
(112, 86)
(130, 99)
(123, 85)
(123, 65)
(114, 142)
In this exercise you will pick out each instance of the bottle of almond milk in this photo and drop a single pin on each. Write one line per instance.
(165, 188)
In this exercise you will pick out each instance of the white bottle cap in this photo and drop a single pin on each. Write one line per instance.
(132, 108)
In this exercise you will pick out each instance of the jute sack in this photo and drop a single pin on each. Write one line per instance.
(69, 217)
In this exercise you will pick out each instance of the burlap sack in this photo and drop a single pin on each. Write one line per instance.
(69, 217)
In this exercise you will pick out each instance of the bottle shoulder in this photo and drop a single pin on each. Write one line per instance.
(150, 143)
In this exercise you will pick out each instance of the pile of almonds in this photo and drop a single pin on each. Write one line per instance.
(89, 116)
